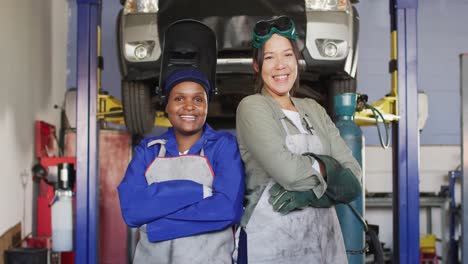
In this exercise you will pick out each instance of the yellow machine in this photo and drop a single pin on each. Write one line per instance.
(388, 105)
(110, 110)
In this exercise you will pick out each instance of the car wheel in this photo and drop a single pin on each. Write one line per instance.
(138, 109)
(339, 86)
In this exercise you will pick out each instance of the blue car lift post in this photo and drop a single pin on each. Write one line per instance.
(405, 140)
(87, 218)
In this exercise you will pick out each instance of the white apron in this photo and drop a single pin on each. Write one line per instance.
(310, 235)
(213, 247)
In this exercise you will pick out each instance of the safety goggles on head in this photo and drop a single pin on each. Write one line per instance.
(264, 29)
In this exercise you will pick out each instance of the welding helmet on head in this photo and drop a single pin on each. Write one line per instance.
(189, 44)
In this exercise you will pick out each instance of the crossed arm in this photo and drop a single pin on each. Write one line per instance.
(182, 200)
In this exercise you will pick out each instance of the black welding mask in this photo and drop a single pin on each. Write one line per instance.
(188, 44)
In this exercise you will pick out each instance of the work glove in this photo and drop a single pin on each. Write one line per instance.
(284, 201)
(343, 186)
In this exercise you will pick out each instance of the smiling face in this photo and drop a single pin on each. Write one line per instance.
(279, 68)
(187, 108)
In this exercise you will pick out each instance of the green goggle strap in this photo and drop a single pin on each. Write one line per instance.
(258, 41)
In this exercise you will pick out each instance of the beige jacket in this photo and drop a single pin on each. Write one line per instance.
(261, 138)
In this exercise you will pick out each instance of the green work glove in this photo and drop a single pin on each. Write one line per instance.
(284, 201)
(332, 166)
(343, 186)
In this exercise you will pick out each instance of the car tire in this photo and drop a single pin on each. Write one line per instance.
(340, 86)
(139, 113)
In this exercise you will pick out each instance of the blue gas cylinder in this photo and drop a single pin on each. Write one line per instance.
(351, 226)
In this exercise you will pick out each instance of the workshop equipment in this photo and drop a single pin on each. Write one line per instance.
(454, 176)
(351, 226)
(428, 249)
(56, 175)
(62, 211)
(26, 255)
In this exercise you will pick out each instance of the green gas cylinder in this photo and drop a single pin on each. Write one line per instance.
(351, 226)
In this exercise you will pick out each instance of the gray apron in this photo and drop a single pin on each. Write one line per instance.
(310, 235)
(213, 247)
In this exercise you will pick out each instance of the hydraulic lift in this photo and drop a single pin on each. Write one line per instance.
(403, 15)
(401, 109)
(405, 140)
(86, 240)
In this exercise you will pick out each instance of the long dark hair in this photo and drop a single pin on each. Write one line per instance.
(257, 57)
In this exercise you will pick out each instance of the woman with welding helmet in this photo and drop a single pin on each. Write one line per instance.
(184, 189)
(297, 165)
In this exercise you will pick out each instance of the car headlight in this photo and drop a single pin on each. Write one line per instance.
(141, 6)
(140, 50)
(327, 5)
(331, 48)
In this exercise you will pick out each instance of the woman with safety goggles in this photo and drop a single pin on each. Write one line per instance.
(293, 153)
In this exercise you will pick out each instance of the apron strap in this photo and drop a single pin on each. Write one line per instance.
(242, 247)
(284, 126)
(309, 126)
(162, 150)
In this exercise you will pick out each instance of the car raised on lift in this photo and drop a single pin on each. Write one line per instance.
(327, 37)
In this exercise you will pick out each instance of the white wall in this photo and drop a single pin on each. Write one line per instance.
(435, 162)
(32, 79)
